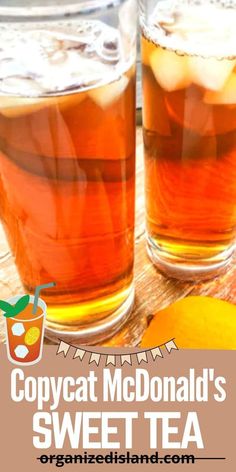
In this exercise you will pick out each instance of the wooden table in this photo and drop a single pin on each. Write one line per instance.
(153, 290)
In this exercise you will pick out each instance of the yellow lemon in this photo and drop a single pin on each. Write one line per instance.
(32, 336)
(195, 323)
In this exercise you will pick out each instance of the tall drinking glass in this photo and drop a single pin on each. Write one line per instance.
(189, 118)
(67, 157)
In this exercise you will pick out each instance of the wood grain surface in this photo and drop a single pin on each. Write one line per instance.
(153, 290)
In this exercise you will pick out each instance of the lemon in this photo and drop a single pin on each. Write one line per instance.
(32, 336)
(196, 323)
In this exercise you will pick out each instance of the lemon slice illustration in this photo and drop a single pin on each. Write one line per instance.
(32, 336)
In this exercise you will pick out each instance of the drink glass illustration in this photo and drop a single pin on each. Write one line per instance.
(25, 333)
(67, 161)
(189, 120)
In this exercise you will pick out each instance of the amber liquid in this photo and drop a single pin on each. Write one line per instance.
(190, 155)
(67, 198)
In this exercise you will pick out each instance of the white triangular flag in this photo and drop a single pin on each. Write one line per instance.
(63, 348)
(142, 357)
(126, 358)
(111, 360)
(156, 352)
(171, 345)
(79, 353)
(94, 358)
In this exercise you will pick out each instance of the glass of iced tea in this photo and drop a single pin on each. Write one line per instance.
(189, 119)
(25, 332)
(67, 157)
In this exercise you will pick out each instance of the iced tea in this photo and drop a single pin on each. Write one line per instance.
(25, 333)
(67, 163)
(189, 86)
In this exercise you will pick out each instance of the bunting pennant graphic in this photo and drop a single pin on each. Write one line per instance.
(156, 352)
(94, 358)
(111, 360)
(126, 358)
(171, 345)
(115, 359)
(79, 353)
(63, 348)
(142, 357)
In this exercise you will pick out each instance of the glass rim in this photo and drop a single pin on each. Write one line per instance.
(41, 304)
(54, 11)
(28, 320)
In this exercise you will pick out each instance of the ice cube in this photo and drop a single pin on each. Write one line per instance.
(226, 96)
(210, 73)
(58, 57)
(42, 38)
(74, 72)
(190, 20)
(22, 86)
(13, 107)
(11, 68)
(183, 19)
(21, 351)
(202, 31)
(109, 93)
(18, 329)
(41, 63)
(170, 69)
(109, 49)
